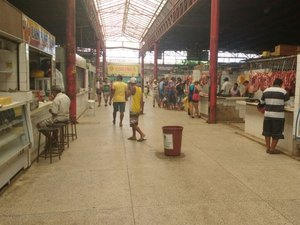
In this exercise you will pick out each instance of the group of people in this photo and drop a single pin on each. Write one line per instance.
(227, 90)
(168, 93)
(171, 93)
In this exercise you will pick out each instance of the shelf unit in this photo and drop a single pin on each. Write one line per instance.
(5, 72)
(14, 141)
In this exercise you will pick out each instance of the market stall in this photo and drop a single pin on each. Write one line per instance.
(41, 58)
(82, 90)
(262, 74)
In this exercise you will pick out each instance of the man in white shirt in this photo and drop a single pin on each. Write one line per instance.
(225, 89)
(60, 108)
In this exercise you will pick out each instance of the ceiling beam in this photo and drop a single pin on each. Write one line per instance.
(168, 17)
(94, 19)
(125, 16)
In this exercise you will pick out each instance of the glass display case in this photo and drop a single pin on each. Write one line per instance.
(14, 141)
(43, 85)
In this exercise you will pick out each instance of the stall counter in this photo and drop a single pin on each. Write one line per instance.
(37, 115)
(82, 102)
(228, 108)
(254, 125)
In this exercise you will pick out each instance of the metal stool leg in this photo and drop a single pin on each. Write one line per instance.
(39, 145)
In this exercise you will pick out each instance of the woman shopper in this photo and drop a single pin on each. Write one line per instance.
(194, 98)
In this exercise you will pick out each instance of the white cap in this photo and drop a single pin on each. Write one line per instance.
(133, 80)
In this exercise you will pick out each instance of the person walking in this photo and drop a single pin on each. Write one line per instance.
(179, 93)
(106, 91)
(147, 89)
(155, 93)
(194, 99)
(136, 101)
(99, 91)
(273, 100)
(119, 97)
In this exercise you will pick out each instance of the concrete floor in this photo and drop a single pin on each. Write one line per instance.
(103, 178)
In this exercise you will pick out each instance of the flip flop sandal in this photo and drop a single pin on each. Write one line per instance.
(141, 139)
(274, 152)
(132, 139)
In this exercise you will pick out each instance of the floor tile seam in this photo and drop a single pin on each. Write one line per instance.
(281, 199)
(75, 171)
(205, 202)
(280, 213)
(128, 177)
(95, 209)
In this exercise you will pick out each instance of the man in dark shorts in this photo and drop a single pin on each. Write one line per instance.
(273, 100)
(118, 95)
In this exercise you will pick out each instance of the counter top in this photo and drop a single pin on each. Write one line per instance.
(232, 98)
(42, 106)
(11, 105)
(82, 92)
(286, 108)
(227, 98)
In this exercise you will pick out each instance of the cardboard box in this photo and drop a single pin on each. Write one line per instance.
(284, 50)
(5, 100)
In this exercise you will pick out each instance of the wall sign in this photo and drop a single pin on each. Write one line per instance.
(36, 36)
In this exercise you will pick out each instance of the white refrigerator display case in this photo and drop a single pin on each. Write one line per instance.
(14, 141)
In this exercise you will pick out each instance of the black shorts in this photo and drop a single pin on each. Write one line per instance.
(273, 128)
(98, 91)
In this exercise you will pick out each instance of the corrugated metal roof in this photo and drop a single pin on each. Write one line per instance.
(129, 19)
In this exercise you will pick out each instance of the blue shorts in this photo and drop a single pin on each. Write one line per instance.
(119, 106)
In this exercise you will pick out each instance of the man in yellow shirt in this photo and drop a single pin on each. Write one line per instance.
(119, 97)
(135, 109)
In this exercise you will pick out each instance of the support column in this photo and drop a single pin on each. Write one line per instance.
(104, 63)
(71, 55)
(142, 67)
(155, 69)
(98, 49)
(213, 68)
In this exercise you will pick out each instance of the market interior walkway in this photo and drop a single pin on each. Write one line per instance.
(103, 178)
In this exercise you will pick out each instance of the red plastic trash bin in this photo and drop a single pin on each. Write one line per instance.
(172, 140)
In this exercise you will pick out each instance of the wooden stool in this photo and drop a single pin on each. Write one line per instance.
(63, 138)
(73, 131)
(50, 147)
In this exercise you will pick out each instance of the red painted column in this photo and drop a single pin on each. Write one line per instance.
(142, 67)
(98, 49)
(104, 63)
(71, 55)
(214, 38)
(155, 69)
